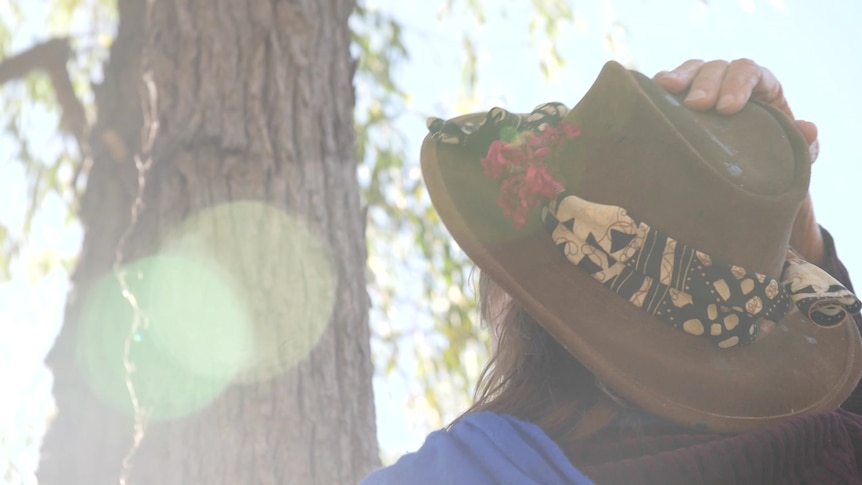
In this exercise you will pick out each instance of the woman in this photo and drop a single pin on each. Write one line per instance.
(731, 355)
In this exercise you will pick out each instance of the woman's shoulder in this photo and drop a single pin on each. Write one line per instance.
(483, 447)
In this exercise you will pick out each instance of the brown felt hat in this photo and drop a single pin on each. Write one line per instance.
(729, 186)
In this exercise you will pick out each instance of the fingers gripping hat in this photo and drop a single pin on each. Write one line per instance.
(651, 241)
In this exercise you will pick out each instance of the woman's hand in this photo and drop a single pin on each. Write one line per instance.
(726, 87)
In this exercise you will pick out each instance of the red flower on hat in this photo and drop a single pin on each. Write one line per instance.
(523, 168)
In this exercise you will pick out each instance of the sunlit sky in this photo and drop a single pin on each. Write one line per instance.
(812, 47)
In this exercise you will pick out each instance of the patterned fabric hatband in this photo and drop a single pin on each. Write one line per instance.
(682, 286)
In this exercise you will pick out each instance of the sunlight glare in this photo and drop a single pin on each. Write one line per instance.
(241, 292)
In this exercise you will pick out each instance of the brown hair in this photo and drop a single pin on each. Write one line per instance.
(532, 377)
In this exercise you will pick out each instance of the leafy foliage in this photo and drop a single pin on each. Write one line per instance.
(52, 163)
(419, 280)
(550, 16)
(424, 313)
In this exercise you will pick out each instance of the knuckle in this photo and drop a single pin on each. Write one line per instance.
(706, 83)
(690, 65)
(716, 64)
(745, 79)
(745, 62)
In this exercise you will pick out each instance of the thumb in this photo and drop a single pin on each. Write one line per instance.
(809, 131)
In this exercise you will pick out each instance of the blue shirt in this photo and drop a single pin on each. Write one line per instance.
(483, 448)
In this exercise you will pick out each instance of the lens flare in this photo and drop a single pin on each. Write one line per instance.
(239, 293)
(193, 339)
(283, 273)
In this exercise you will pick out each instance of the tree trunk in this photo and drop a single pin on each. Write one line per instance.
(242, 332)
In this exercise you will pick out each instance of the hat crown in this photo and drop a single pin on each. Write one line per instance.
(751, 149)
(728, 186)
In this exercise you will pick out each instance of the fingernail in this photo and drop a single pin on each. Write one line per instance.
(666, 75)
(725, 101)
(695, 95)
(814, 150)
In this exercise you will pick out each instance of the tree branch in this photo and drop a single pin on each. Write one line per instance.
(41, 56)
(50, 57)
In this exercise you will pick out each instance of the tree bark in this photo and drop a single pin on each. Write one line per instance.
(251, 104)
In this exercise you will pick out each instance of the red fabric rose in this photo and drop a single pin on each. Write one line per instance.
(523, 168)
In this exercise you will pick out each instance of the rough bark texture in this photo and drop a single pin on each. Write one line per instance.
(255, 102)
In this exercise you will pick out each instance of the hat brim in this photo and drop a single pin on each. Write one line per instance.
(797, 368)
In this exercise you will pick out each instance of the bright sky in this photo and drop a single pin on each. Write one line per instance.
(811, 46)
